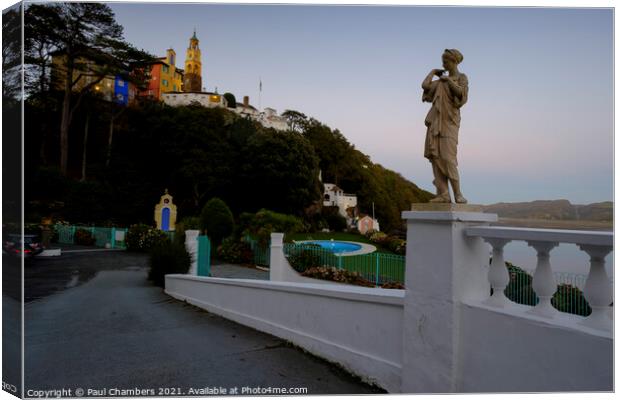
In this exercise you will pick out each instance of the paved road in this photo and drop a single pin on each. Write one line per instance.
(238, 272)
(11, 323)
(112, 329)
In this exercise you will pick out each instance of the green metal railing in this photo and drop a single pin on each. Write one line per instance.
(204, 256)
(260, 253)
(568, 297)
(375, 267)
(102, 236)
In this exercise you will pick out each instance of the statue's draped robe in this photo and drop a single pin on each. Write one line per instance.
(443, 122)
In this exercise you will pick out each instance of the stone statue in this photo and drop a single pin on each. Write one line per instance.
(447, 94)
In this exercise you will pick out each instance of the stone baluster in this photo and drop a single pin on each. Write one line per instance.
(543, 282)
(598, 290)
(498, 273)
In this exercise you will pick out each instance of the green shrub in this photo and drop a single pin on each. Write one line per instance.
(396, 245)
(570, 299)
(83, 237)
(337, 275)
(265, 222)
(216, 220)
(304, 259)
(143, 238)
(519, 287)
(235, 251)
(230, 100)
(336, 222)
(567, 298)
(378, 237)
(392, 285)
(167, 258)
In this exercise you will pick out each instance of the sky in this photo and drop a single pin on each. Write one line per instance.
(538, 123)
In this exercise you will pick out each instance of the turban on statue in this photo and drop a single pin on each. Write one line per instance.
(454, 53)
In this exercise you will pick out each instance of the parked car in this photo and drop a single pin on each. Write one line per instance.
(29, 246)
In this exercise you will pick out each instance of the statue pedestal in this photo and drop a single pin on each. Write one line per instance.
(446, 207)
(444, 267)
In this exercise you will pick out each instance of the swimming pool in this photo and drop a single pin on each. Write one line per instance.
(336, 246)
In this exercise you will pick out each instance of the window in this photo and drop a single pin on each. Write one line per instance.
(164, 82)
(165, 68)
(174, 88)
(120, 83)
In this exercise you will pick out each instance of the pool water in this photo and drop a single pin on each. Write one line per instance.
(335, 246)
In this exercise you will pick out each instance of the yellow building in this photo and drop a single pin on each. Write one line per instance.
(193, 67)
(165, 76)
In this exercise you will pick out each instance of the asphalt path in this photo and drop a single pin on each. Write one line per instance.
(94, 322)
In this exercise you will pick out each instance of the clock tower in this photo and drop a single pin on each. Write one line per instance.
(192, 81)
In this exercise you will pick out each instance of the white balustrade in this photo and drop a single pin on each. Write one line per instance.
(543, 282)
(498, 274)
(598, 290)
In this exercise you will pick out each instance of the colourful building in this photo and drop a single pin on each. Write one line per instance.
(165, 76)
(110, 88)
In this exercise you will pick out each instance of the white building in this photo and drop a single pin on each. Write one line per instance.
(333, 196)
(246, 109)
(205, 99)
(268, 118)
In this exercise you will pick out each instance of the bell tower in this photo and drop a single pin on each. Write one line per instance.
(192, 82)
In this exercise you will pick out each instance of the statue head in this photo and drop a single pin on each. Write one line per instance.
(451, 58)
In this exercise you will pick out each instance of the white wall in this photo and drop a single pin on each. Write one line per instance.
(441, 335)
(183, 99)
(505, 353)
(359, 328)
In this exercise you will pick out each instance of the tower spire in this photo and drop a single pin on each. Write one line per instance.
(192, 81)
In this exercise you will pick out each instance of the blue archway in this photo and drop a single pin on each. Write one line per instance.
(165, 219)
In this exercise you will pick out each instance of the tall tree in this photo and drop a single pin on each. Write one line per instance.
(11, 52)
(296, 120)
(89, 47)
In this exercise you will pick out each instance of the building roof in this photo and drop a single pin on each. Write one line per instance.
(248, 106)
(334, 188)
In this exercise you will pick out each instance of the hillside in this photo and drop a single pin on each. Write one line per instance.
(553, 210)
(198, 153)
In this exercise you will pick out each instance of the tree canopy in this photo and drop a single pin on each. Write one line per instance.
(128, 155)
(87, 41)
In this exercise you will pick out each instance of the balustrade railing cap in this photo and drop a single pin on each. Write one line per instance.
(596, 238)
(449, 212)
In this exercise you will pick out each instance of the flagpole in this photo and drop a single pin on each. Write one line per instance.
(260, 93)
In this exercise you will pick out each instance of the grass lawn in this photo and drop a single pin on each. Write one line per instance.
(344, 236)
